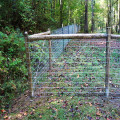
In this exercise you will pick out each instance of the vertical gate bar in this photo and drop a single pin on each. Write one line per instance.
(107, 61)
(28, 64)
(50, 57)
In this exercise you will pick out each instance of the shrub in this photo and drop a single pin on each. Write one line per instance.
(13, 72)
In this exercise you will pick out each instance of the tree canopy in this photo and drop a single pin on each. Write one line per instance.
(39, 15)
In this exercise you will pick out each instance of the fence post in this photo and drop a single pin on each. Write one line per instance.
(77, 28)
(68, 28)
(68, 31)
(72, 29)
(108, 39)
(63, 39)
(74, 26)
(50, 57)
(28, 64)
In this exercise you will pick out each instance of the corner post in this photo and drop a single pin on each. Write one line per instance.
(28, 64)
(108, 39)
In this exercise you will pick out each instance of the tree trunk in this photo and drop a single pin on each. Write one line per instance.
(69, 16)
(86, 17)
(109, 13)
(92, 20)
(53, 7)
(119, 17)
(61, 12)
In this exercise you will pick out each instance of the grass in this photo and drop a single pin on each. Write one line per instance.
(72, 108)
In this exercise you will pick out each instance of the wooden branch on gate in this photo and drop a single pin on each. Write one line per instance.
(38, 34)
(67, 36)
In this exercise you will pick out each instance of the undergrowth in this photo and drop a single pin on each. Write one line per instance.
(13, 72)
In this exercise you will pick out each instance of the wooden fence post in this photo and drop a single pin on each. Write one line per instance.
(29, 64)
(74, 26)
(50, 55)
(68, 31)
(63, 39)
(108, 39)
(68, 28)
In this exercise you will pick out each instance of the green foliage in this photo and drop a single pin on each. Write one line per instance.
(12, 65)
(39, 15)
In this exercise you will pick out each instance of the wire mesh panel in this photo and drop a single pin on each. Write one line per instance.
(39, 55)
(115, 67)
(60, 45)
(78, 70)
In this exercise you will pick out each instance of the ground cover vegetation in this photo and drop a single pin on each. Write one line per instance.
(13, 72)
(17, 16)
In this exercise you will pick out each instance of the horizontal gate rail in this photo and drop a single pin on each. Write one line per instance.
(43, 33)
(71, 36)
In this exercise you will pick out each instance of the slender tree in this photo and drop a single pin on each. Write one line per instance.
(119, 15)
(109, 13)
(86, 17)
(92, 20)
(61, 12)
(69, 15)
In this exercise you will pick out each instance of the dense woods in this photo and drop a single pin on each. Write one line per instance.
(17, 16)
(39, 15)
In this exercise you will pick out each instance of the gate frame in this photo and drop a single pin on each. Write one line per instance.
(28, 58)
(46, 36)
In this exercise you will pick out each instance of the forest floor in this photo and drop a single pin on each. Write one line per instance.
(70, 106)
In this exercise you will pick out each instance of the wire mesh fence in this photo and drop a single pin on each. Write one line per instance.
(79, 69)
(40, 50)
(60, 45)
